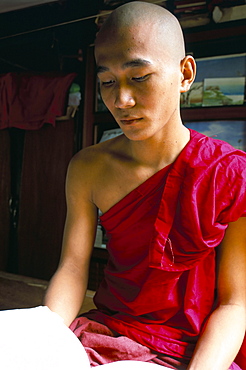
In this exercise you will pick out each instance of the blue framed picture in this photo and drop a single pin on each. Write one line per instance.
(233, 132)
(219, 81)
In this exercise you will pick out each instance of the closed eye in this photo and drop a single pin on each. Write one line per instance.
(137, 79)
(141, 79)
(107, 83)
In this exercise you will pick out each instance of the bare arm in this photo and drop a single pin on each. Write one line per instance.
(68, 286)
(225, 329)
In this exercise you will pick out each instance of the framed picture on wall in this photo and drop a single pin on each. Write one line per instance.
(219, 81)
(223, 91)
(233, 132)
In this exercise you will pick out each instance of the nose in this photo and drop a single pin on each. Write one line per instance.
(124, 98)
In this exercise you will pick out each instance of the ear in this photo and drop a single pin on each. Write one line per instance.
(188, 72)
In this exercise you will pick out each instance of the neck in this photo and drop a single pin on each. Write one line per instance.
(158, 152)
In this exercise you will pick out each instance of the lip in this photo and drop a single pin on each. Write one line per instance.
(130, 121)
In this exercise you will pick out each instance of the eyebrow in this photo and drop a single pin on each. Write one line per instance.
(130, 64)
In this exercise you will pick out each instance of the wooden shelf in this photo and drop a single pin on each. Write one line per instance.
(216, 39)
(105, 121)
(214, 113)
(188, 114)
(215, 31)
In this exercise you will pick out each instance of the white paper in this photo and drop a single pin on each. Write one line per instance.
(37, 339)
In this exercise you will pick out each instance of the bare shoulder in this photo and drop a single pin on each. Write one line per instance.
(96, 157)
(92, 165)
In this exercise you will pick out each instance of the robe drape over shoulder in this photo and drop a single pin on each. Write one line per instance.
(159, 285)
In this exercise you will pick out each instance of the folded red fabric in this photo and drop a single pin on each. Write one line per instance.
(103, 346)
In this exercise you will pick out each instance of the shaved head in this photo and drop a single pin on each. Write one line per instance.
(142, 68)
(136, 17)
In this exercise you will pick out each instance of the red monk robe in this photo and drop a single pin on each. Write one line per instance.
(159, 285)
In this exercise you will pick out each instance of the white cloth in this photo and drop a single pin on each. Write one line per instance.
(37, 339)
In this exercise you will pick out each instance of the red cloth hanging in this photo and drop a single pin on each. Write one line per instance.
(29, 101)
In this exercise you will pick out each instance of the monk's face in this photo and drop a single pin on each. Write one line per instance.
(140, 80)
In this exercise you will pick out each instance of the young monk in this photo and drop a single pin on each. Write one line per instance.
(173, 202)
